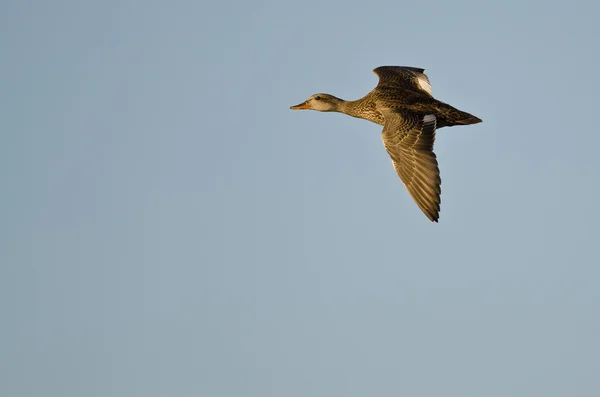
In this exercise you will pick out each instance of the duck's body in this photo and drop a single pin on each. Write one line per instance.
(403, 104)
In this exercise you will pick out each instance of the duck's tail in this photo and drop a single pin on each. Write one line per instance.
(467, 118)
(449, 116)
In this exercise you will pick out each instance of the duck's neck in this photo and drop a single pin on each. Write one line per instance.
(351, 108)
(362, 109)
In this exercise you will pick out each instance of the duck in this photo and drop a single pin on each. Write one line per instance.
(402, 102)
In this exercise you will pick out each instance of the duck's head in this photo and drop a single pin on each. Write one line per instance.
(320, 102)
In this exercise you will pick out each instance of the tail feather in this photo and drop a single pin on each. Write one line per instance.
(449, 116)
(468, 119)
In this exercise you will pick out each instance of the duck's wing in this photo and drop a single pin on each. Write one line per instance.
(408, 138)
(403, 77)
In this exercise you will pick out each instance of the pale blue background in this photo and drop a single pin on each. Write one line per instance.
(170, 228)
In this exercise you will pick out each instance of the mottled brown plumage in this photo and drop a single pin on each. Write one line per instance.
(403, 104)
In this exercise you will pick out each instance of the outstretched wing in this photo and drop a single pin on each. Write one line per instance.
(409, 141)
(404, 77)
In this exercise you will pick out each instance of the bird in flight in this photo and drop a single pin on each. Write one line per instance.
(403, 104)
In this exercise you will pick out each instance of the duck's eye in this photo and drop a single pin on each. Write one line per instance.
(317, 97)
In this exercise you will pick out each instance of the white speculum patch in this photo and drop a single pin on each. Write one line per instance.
(429, 118)
(424, 84)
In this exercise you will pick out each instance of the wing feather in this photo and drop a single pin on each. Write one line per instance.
(409, 139)
(404, 77)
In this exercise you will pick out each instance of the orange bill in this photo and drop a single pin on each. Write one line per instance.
(303, 105)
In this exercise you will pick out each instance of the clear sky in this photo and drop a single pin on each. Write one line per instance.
(170, 228)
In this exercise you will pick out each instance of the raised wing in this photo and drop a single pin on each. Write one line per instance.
(409, 141)
(404, 77)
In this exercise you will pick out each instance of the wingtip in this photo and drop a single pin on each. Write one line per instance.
(432, 215)
(411, 68)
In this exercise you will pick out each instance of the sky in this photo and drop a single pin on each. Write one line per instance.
(171, 228)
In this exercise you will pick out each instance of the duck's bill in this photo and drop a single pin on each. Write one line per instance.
(303, 105)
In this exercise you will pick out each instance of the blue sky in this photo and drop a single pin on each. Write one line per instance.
(170, 227)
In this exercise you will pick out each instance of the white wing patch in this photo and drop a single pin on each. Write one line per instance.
(429, 118)
(423, 83)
